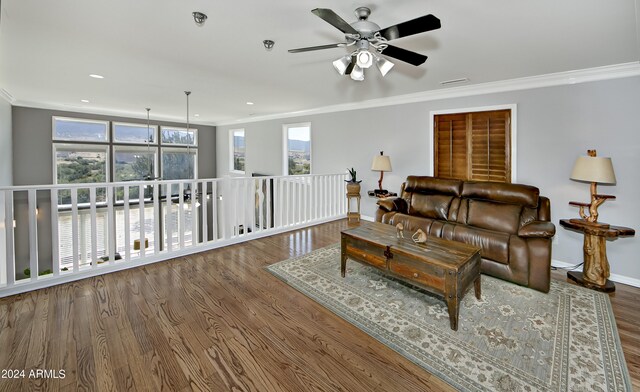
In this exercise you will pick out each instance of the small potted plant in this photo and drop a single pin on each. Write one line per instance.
(353, 185)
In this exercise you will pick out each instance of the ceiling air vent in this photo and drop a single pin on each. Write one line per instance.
(453, 81)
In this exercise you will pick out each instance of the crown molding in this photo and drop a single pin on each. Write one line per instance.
(7, 96)
(616, 71)
(134, 115)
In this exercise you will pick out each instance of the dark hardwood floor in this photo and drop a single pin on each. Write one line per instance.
(216, 321)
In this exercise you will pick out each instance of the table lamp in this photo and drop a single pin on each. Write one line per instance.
(593, 169)
(381, 163)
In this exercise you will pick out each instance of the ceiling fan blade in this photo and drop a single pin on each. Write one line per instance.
(350, 67)
(310, 48)
(333, 19)
(411, 27)
(407, 56)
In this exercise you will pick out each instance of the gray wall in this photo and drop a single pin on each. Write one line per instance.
(555, 125)
(33, 165)
(6, 162)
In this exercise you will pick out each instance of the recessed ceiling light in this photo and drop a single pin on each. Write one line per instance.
(249, 103)
(196, 115)
(96, 76)
(84, 100)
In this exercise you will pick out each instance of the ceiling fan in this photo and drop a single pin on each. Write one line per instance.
(364, 34)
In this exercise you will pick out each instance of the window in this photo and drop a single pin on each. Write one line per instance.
(80, 130)
(134, 133)
(134, 164)
(179, 136)
(80, 163)
(237, 155)
(81, 154)
(297, 147)
(179, 164)
(473, 145)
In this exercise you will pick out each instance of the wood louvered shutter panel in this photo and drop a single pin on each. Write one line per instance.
(451, 146)
(473, 146)
(490, 146)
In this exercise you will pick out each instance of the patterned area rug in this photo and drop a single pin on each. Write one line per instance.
(513, 339)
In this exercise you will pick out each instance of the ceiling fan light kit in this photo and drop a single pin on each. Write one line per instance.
(342, 64)
(357, 73)
(365, 34)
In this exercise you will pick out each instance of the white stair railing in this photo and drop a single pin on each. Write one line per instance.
(53, 234)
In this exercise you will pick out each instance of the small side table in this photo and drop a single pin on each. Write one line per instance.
(353, 214)
(596, 266)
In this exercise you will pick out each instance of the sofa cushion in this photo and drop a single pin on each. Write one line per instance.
(433, 185)
(411, 223)
(494, 216)
(494, 245)
(524, 195)
(430, 206)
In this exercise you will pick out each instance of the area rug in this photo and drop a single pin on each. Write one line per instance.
(513, 339)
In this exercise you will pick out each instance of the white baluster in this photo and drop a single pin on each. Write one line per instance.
(94, 226)
(168, 217)
(127, 224)
(74, 228)
(157, 216)
(203, 205)
(141, 220)
(33, 234)
(111, 218)
(181, 225)
(55, 241)
(10, 246)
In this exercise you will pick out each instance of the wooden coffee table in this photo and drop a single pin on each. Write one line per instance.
(446, 268)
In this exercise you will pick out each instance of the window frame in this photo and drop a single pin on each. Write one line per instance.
(195, 137)
(123, 142)
(514, 133)
(285, 147)
(55, 139)
(232, 150)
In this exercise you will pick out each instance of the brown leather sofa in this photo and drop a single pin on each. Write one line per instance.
(509, 222)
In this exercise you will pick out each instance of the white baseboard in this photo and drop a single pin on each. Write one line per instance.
(367, 218)
(614, 277)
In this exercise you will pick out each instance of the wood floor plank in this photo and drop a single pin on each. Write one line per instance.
(218, 321)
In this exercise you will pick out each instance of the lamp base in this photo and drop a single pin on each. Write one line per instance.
(380, 191)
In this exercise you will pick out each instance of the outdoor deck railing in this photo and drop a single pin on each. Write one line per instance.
(52, 234)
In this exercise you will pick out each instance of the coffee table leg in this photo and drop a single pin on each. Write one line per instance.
(343, 257)
(454, 310)
(476, 286)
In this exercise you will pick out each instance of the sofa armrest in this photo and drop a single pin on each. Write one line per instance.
(393, 204)
(537, 229)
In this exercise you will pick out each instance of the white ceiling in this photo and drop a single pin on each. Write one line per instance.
(150, 51)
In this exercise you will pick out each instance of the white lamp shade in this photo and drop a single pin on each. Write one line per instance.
(594, 169)
(381, 163)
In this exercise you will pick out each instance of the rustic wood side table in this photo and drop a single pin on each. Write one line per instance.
(353, 214)
(596, 266)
